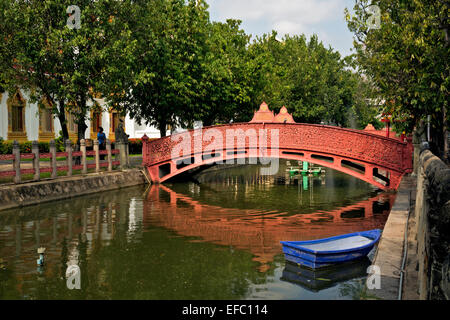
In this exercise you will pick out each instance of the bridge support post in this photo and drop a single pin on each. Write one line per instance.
(123, 154)
(97, 156)
(52, 147)
(16, 163)
(69, 157)
(35, 150)
(83, 157)
(416, 158)
(108, 149)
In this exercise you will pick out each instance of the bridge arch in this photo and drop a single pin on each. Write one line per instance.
(375, 159)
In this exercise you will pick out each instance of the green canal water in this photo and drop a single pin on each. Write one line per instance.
(215, 238)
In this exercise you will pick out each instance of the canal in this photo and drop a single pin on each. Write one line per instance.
(217, 237)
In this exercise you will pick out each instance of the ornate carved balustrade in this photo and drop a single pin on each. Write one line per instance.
(373, 158)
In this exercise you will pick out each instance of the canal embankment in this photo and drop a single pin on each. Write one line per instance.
(413, 254)
(389, 255)
(31, 193)
(432, 218)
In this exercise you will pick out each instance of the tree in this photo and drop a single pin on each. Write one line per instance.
(41, 53)
(314, 82)
(228, 75)
(407, 59)
(160, 83)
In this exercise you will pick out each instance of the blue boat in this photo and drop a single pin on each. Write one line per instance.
(330, 251)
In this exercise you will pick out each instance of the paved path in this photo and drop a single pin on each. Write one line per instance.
(389, 255)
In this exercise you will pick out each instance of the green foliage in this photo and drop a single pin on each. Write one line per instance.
(407, 58)
(39, 52)
(230, 75)
(135, 146)
(155, 68)
(6, 147)
(163, 62)
(314, 82)
(59, 143)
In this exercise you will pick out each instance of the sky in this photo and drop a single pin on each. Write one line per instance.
(322, 17)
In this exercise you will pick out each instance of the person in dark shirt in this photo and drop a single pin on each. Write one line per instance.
(101, 137)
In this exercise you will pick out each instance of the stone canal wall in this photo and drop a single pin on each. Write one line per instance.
(432, 211)
(18, 195)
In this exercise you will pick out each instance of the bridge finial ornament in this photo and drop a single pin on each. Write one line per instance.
(263, 114)
(284, 116)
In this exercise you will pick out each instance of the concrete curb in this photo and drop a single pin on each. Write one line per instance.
(389, 254)
(25, 194)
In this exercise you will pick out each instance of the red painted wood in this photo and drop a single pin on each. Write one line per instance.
(27, 156)
(7, 157)
(27, 171)
(45, 155)
(7, 173)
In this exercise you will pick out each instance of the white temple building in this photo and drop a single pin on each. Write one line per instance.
(24, 121)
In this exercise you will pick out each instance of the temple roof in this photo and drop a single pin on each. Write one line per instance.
(266, 115)
(284, 116)
(263, 114)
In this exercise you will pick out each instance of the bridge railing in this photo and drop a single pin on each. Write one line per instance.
(356, 144)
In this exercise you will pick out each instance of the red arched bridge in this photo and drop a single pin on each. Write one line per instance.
(378, 160)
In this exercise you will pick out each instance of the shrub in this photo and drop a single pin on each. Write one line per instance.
(59, 142)
(5, 147)
(135, 146)
(44, 147)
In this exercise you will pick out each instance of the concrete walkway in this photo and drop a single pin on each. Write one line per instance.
(389, 255)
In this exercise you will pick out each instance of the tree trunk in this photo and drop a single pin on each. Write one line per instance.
(81, 120)
(437, 135)
(445, 133)
(81, 130)
(163, 127)
(62, 120)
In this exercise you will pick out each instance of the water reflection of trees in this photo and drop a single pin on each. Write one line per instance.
(170, 247)
(118, 258)
(356, 289)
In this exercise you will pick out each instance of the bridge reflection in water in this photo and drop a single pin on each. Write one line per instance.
(254, 231)
(148, 236)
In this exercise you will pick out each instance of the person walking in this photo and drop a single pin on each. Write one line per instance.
(101, 137)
